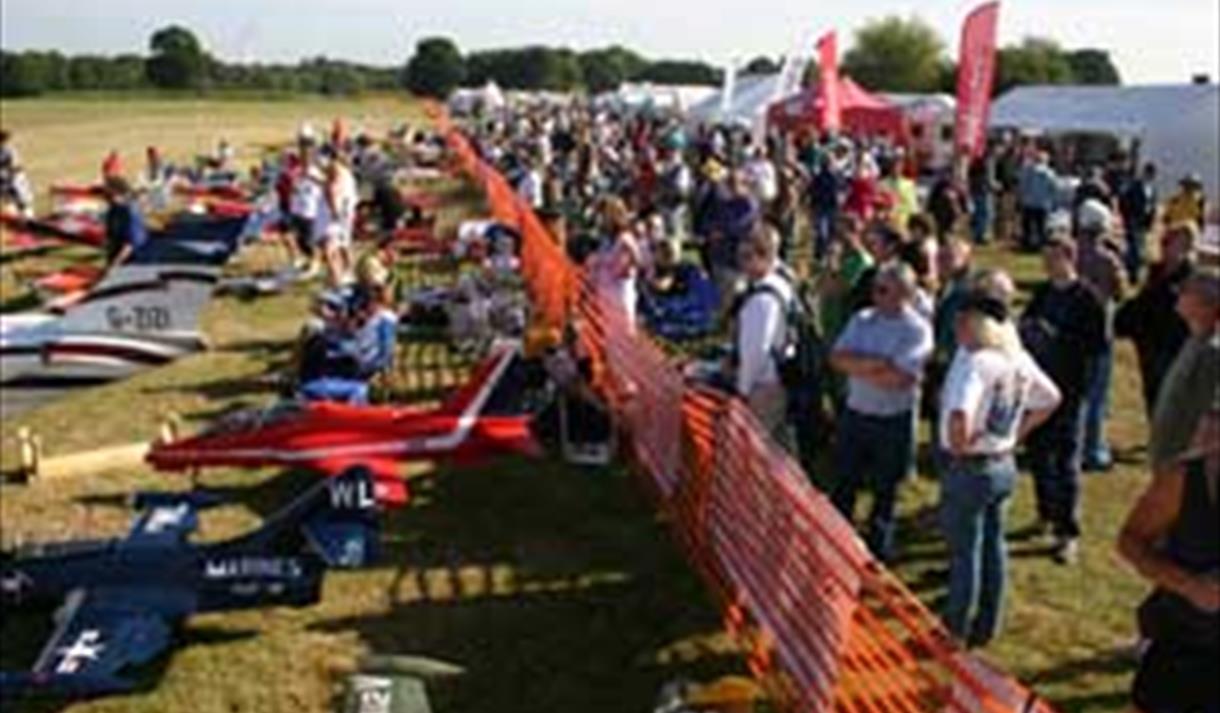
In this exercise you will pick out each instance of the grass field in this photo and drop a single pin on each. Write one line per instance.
(554, 587)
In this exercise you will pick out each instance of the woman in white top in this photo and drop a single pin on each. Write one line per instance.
(994, 394)
(614, 268)
(338, 212)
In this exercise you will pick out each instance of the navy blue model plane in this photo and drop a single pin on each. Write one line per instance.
(120, 600)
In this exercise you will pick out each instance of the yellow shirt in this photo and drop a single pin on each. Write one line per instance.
(1184, 207)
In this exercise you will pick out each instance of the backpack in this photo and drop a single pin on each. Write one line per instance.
(798, 360)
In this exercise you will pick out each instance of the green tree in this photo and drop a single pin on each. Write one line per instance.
(604, 70)
(896, 55)
(178, 61)
(761, 65)
(436, 68)
(32, 73)
(1093, 66)
(1034, 61)
(668, 71)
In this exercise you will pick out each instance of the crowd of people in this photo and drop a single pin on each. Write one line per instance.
(848, 290)
(905, 323)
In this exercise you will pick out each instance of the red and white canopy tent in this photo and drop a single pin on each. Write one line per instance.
(863, 113)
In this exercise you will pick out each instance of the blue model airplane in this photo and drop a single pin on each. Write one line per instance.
(121, 599)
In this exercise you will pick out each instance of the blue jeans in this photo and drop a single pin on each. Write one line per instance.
(973, 499)
(1054, 454)
(1134, 258)
(823, 230)
(874, 452)
(1096, 450)
(981, 210)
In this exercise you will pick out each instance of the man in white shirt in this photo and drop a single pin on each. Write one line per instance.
(761, 333)
(761, 177)
(530, 186)
(306, 207)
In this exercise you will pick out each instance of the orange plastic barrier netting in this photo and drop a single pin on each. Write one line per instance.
(824, 625)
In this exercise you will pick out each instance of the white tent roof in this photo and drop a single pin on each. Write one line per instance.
(925, 107)
(664, 97)
(752, 95)
(1175, 124)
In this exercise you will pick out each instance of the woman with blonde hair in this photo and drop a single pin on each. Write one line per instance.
(614, 267)
(994, 395)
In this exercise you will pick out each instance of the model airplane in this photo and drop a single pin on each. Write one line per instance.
(122, 599)
(137, 317)
(490, 414)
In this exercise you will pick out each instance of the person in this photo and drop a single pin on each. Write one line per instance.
(862, 189)
(954, 258)
(1188, 204)
(761, 177)
(1037, 193)
(338, 215)
(946, 204)
(734, 215)
(1099, 262)
(904, 191)
(306, 211)
(882, 352)
(531, 183)
(824, 190)
(983, 184)
(1172, 538)
(112, 166)
(1184, 395)
(845, 263)
(760, 327)
(1008, 170)
(883, 244)
(14, 183)
(954, 263)
(1092, 188)
(1138, 204)
(1064, 328)
(125, 228)
(675, 187)
(994, 395)
(615, 266)
(1150, 319)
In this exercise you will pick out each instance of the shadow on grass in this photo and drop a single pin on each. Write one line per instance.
(26, 302)
(1117, 662)
(1115, 700)
(263, 497)
(23, 637)
(554, 589)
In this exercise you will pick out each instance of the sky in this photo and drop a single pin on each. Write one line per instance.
(1151, 41)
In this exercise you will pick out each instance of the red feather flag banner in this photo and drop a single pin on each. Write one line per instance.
(975, 75)
(828, 66)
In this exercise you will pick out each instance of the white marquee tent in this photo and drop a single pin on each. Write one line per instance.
(751, 95)
(1177, 126)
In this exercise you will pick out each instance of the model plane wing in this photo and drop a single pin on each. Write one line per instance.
(98, 635)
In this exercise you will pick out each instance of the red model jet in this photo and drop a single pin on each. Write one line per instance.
(484, 417)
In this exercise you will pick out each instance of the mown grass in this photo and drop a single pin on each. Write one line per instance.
(554, 587)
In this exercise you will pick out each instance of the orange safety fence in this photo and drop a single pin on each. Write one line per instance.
(824, 625)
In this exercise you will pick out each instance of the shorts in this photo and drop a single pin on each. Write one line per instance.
(338, 235)
(1173, 678)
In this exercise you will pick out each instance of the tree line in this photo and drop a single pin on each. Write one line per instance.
(889, 54)
(177, 60)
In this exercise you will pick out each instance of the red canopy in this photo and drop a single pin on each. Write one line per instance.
(863, 112)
